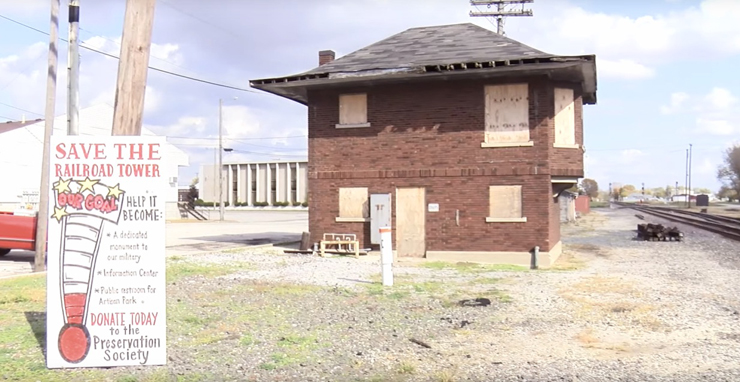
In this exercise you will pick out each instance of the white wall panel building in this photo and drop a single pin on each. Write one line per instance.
(254, 183)
(21, 152)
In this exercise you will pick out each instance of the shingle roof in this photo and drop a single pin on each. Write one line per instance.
(445, 51)
(12, 125)
(435, 45)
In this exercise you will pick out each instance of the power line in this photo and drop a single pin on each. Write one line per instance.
(94, 34)
(18, 108)
(150, 67)
(203, 20)
(501, 11)
(240, 139)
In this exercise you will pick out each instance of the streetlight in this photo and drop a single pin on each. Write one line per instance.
(220, 159)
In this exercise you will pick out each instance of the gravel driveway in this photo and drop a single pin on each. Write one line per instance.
(614, 309)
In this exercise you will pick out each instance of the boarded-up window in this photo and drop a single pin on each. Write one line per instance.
(354, 203)
(565, 117)
(505, 202)
(507, 113)
(352, 109)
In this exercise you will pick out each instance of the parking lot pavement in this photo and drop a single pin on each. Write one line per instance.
(239, 229)
(16, 263)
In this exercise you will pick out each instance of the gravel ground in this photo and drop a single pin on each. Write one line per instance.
(615, 309)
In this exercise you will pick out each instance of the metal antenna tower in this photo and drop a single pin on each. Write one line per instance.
(501, 11)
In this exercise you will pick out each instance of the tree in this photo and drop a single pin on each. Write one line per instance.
(700, 190)
(194, 181)
(659, 192)
(626, 190)
(729, 172)
(590, 188)
(192, 195)
(668, 191)
(727, 193)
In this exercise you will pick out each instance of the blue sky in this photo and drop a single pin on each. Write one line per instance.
(666, 71)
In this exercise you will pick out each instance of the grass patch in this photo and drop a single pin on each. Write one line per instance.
(23, 333)
(464, 267)
(180, 270)
(247, 340)
(406, 367)
(612, 298)
(295, 349)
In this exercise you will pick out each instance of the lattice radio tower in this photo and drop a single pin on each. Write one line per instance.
(501, 10)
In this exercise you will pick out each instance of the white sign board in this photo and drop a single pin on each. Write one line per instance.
(106, 252)
(433, 207)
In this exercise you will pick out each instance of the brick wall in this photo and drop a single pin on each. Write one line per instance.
(429, 135)
(468, 194)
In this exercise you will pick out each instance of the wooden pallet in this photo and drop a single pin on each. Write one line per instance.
(344, 244)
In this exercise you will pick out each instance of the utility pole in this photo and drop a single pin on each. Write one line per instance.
(675, 190)
(501, 11)
(689, 189)
(686, 180)
(42, 219)
(220, 161)
(132, 67)
(73, 70)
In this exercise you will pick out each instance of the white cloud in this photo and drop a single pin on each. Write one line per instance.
(677, 102)
(705, 167)
(624, 69)
(720, 99)
(631, 156)
(639, 43)
(715, 127)
(240, 122)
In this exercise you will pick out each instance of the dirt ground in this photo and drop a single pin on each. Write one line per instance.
(612, 309)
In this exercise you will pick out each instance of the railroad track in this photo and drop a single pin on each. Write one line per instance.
(726, 226)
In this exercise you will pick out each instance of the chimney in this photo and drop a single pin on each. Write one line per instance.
(326, 56)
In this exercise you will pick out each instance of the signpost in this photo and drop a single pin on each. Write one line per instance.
(106, 252)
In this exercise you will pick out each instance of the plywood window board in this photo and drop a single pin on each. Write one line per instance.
(507, 115)
(505, 204)
(565, 118)
(354, 204)
(352, 110)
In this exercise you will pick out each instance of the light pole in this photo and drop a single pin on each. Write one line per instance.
(220, 159)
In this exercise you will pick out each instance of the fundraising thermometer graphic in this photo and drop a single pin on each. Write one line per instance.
(82, 207)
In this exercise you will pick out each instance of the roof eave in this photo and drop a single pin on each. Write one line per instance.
(295, 87)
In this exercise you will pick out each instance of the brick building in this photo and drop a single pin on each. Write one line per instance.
(472, 134)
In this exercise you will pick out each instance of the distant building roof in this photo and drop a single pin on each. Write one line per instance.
(462, 50)
(12, 125)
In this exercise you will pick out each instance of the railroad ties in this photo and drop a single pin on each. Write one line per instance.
(658, 232)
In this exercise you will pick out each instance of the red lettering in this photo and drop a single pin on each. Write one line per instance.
(86, 153)
(60, 151)
(119, 146)
(58, 170)
(154, 149)
(99, 151)
(73, 152)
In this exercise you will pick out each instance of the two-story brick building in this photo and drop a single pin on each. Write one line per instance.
(472, 133)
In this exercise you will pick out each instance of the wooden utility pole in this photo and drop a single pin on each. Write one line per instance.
(73, 70)
(501, 11)
(42, 219)
(132, 67)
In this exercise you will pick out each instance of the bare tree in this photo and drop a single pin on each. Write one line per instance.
(590, 188)
(729, 172)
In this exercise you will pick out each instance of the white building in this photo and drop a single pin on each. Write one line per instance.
(21, 151)
(256, 183)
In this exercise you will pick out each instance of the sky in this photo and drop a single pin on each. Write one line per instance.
(667, 71)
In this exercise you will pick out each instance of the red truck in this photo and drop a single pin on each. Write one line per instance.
(17, 232)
